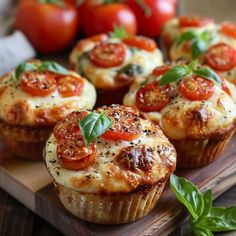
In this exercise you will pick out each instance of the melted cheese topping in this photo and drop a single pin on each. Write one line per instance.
(106, 175)
(230, 75)
(178, 52)
(20, 108)
(182, 118)
(104, 78)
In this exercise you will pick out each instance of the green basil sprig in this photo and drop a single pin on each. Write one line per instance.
(177, 73)
(94, 125)
(131, 70)
(205, 219)
(199, 41)
(118, 32)
(44, 66)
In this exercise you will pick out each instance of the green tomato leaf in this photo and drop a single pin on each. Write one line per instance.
(207, 197)
(24, 67)
(202, 232)
(186, 36)
(131, 70)
(53, 67)
(188, 194)
(220, 219)
(58, 3)
(208, 73)
(93, 125)
(198, 47)
(175, 74)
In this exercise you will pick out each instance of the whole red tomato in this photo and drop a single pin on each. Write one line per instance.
(101, 18)
(49, 27)
(152, 14)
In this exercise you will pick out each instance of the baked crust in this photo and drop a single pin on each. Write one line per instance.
(20, 108)
(112, 172)
(104, 78)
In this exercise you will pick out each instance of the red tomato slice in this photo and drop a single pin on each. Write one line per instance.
(194, 21)
(126, 124)
(221, 57)
(38, 83)
(108, 54)
(160, 70)
(141, 42)
(69, 86)
(225, 87)
(71, 149)
(153, 97)
(99, 38)
(196, 88)
(229, 29)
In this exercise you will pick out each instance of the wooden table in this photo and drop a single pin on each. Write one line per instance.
(15, 219)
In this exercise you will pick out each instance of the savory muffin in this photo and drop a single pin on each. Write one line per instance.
(111, 63)
(109, 166)
(195, 108)
(33, 98)
(173, 28)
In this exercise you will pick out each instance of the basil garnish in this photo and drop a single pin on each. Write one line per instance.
(44, 66)
(199, 41)
(131, 70)
(93, 125)
(177, 73)
(205, 219)
(118, 32)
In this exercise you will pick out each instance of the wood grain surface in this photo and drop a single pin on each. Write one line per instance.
(32, 186)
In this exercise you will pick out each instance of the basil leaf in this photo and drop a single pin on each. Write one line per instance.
(186, 36)
(118, 32)
(93, 125)
(53, 67)
(202, 232)
(207, 196)
(220, 219)
(208, 73)
(131, 70)
(192, 64)
(175, 74)
(198, 47)
(188, 194)
(24, 67)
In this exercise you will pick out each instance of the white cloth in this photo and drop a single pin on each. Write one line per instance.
(14, 49)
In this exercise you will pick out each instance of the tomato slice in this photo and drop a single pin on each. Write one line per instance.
(160, 70)
(141, 42)
(99, 38)
(126, 124)
(38, 83)
(69, 86)
(74, 155)
(71, 150)
(196, 88)
(68, 127)
(153, 97)
(194, 21)
(228, 29)
(108, 54)
(225, 87)
(221, 57)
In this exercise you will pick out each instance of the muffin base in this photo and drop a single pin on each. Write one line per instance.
(110, 209)
(25, 142)
(195, 153)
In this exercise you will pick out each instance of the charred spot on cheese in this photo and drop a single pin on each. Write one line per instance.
(136, 158)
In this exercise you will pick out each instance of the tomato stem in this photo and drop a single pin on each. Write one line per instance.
(58, 3)
(147, 10)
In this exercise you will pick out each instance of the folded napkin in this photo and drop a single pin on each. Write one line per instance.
(14, 49)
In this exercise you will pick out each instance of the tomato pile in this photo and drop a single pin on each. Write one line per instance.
(53, 25)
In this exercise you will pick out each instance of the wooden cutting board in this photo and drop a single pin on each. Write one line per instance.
(30, 183)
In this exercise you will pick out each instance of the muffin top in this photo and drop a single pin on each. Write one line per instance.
(41, 93)
(174, 27)
(110, 62)
(132, 154)
(187, 101)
